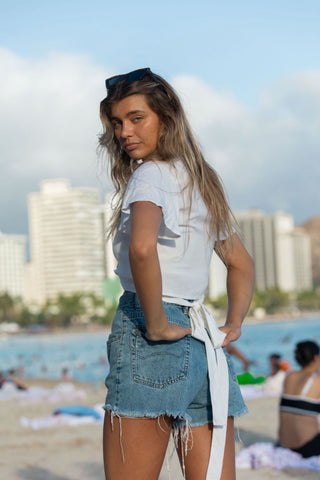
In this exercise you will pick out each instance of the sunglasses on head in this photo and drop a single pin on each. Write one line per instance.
(131, 77)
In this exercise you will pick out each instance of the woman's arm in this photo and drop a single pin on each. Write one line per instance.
(240, 285)
(145, 268)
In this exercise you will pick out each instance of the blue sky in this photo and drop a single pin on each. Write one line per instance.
(248, 72)
(241, 45)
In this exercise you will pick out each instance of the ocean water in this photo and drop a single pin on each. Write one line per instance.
(47, 355)
(84, 354)
(258, 341)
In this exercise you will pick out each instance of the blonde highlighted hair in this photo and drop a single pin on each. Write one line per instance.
(176, 140)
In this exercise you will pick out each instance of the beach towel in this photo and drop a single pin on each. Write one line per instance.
(265, 454)
(88, 415)
(77, 410)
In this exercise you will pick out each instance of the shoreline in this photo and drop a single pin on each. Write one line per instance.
(96, 328)
(90, 328)
(282, 317)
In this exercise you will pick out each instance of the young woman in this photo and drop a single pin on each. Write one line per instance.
(168, 371)
(300, 403)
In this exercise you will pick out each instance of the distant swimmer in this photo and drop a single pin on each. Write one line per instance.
(65, 375)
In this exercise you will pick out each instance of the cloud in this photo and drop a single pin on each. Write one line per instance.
(267, 156)
(49, 123)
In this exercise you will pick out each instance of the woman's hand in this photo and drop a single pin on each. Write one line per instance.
(170, 333)
(240, 284)
(232, 332)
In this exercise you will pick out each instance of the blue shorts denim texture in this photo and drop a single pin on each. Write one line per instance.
(151, 379)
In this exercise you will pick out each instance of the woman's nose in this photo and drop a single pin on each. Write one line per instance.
(126, 130)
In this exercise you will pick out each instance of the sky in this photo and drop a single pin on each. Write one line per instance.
(247, 72)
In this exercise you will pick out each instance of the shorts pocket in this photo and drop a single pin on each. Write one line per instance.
(158, 364)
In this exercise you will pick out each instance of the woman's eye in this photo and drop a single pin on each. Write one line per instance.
(115, 125)
(136, 119)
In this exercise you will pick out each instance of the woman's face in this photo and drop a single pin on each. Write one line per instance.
(136, 126)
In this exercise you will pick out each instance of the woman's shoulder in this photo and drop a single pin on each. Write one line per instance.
(291, 376)
(160, 166)
(295, 382)
(291, 380)
(162, 174)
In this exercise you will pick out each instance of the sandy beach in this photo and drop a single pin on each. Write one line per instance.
(74, 452)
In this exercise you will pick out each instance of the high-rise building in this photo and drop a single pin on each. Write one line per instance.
(280, 251)
(66, 240)
(312, 227)
(303, 259)
(12, 263)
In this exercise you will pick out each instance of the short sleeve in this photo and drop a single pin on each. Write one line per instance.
(154, 182)
(223, 235)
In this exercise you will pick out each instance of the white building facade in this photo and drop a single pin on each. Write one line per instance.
(66, 240)
(281, 252)
(12, 264)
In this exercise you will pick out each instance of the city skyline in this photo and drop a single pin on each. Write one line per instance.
(248, 75)
(70, 252)
(103, 195)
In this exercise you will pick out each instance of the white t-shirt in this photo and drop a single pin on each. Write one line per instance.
(184, 247)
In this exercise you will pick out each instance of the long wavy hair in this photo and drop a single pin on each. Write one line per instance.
(176, 140)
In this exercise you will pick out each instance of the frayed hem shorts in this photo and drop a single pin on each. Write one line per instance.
(151, 379)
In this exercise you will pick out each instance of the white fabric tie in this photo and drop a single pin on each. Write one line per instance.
(205, 329)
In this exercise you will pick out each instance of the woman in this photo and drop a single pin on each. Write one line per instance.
(168, 371)
(300, 403)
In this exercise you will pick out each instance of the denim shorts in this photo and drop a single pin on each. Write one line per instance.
(150, 379)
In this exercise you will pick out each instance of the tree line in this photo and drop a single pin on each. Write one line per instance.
(83, 308)
(274, 301)
(63, 311)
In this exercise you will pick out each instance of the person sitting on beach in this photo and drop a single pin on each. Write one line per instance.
(10, 379)
(300, 403)
(2, 379)
(278, 364)
(278, 372)
(171, 213)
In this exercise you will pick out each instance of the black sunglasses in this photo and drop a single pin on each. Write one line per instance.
(131, 77)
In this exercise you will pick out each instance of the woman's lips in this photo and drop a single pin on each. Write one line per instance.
(131, 146)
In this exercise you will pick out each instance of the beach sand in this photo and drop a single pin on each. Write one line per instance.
(74, 453)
